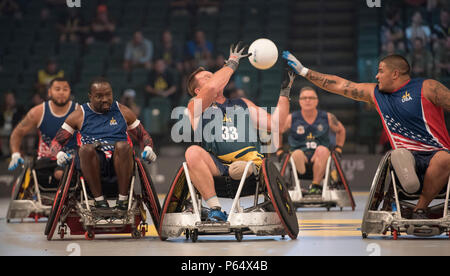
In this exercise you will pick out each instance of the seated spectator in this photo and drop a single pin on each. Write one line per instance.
(36, 99)
(441, 30)
(138, 53)
(209, 7)
(162, 82)
(391, 49)
(170, 52)
(421, 60)
(71, 27)
(182, 7)
(46, 75)
(392, 29)
(11, 113)
(200, 49)
(129, 99)
(102, 28)
(10, 8)
(442, 59)
(418, 30)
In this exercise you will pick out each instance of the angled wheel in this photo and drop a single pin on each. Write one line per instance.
(150, 196)
(59, 200)
(279, 194)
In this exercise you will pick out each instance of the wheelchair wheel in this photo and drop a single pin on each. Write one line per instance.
(59, 201)
(150, 196)
(279, 194)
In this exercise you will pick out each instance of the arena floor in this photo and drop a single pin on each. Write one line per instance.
(321, 233)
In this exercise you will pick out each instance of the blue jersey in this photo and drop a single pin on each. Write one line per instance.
(308, 137)
(410, 120)
(105, 128)
(49, 126)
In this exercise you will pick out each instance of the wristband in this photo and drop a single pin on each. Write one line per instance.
(232, 64)
(304, 71)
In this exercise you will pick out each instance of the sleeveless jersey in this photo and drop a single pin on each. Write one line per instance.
(48, 127)
(106, 128)
(232, 137)
(410, 120)
(308, 137)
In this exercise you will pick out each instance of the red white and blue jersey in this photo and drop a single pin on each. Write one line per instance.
(410, 120)
(105, 128)
(48, 127)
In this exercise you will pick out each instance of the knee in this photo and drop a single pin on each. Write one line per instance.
(441, 164)
(322, 152)
(87, 151)
(299, 156)
(57, 174)
(122, 148)
(193, 155)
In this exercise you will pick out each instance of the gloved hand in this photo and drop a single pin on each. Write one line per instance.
(236, 53)
(16, 160)
(286, 85)
(148, 154)
(295, 64)
(338, 152)
(62, 158)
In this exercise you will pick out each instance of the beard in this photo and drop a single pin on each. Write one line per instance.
(60, 103)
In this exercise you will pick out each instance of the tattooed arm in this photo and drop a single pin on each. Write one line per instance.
(356, 91)
(338, 128)
(135, 128)
(72, 123)
(28, 124)
(437, 93)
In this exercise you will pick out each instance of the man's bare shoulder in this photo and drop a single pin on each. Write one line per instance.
(436, 93)
(35, 114)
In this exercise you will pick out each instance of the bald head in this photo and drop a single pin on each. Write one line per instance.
(397, 62)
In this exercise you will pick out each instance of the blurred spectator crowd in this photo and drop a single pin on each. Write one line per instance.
(418, 30)
(146, 49)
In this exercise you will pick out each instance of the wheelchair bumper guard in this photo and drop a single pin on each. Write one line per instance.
(257, 223)
(330, 197)
(254, 220)
(20, 209)
(379, 217)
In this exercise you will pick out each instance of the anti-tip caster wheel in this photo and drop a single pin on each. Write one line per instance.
(239, 235)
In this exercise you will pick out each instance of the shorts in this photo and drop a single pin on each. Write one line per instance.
(228, 187)
(423, 159)
(223, 169)
(45, 169)
(107, 171)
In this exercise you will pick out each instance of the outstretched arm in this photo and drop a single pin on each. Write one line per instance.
(264, 120)
(334, 84)
(437, 93)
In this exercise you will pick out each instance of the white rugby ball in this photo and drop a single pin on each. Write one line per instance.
(264, 53)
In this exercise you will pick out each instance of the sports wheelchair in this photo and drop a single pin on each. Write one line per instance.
(272, 212)
(73, 208)
(33, 190)
(335, 190)
(390, 207)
